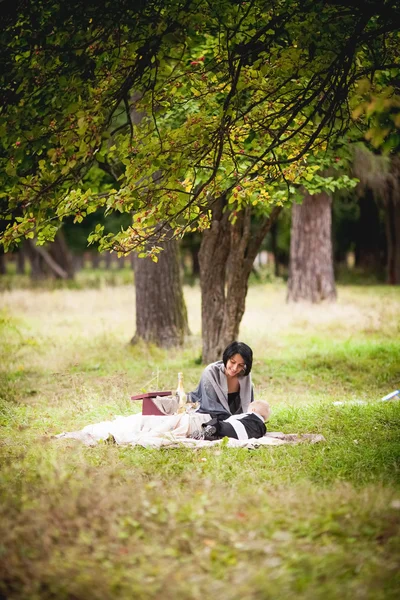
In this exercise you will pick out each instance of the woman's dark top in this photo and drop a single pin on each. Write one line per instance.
(235, 405)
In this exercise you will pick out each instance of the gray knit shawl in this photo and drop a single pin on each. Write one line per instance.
(212, 391)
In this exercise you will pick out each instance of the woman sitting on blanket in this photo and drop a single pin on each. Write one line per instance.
(225, 386)
(225, 392)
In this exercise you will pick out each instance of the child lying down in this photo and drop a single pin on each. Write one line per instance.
(242, 426)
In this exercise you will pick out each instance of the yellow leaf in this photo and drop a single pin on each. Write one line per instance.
(358, 111)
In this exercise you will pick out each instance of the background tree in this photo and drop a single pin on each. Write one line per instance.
(345, 214)
(2, 262)
(227, 255)
(311, 273)
(393, 223)
(379, 113)
(161, 316)
(54, 260)
(379, 178)
(311, 267)
(378, 170)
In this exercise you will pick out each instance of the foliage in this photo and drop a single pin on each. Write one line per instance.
(186, 100)
(379, 109)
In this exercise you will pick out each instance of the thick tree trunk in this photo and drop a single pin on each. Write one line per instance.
(311, 275)
(213, 258)
(161, 316)
(226, 257)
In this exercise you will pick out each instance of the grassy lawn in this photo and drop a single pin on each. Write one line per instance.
(307, 521)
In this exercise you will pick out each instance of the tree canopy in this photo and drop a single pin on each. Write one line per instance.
(182, 101)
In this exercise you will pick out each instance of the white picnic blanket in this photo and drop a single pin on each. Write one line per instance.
(170, 431)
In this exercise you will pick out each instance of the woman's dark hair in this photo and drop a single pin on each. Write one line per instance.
(245, 352)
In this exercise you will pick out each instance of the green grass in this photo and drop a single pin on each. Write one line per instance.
(307, 521)
(86, 278)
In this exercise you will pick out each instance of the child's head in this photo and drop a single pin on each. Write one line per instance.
(261, 407)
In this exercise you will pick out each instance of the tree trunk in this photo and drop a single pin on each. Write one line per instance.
(95, 259)
(192, 244)
(3, 225)
(368, 246)
(213, 257)
(226, 257)
(311, 275)
(274, 247)
(121, 262)
(392, 217)
(55, 260)
(195, 261)
(20, 261)
(60, 252)
(161, 316)
(78, 262)
(108, 259)
(34, 259)
(3, 269)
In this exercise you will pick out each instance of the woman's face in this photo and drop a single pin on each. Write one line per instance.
(235, 365)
